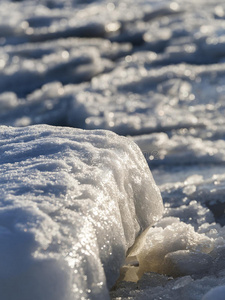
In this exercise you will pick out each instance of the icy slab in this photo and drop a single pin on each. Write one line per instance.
(72, 203)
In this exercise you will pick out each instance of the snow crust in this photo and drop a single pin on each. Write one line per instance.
(150, 70)
(72, 203)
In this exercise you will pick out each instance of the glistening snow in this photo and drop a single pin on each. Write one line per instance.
(73, 202)
(152, 70)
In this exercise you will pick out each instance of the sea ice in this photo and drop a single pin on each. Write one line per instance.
(153, 70)
(72, 203)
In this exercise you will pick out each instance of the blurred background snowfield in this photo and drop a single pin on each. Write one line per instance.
(150, 70)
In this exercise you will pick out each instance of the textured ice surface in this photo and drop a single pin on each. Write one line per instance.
(72, 203)
(154, 286)
(166, 249)
(153, 70)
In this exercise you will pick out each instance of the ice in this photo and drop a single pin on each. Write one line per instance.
(150, 70)
(167, 288)
(172, 248)
(182, 148)
(215, 293)
(72, 203)
(178, 35)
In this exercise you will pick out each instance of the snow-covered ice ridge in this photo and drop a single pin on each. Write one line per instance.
(72, 203)
(153, 70)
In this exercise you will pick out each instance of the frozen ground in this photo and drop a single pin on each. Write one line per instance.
(150, 70)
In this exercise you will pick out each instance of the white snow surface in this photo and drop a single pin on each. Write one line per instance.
(72, 203)
(150, 70)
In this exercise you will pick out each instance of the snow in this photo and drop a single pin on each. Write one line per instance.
(153, 71)
(155, 286)
(72, 203)
(216, 293)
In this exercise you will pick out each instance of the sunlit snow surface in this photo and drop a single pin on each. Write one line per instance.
(152, 70)
(72, 203)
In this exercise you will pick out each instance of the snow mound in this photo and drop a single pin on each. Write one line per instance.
(72, 203)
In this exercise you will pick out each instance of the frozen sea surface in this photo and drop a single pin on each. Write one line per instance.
(150, 70)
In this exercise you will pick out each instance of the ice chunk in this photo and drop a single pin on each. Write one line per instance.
(72, 203)
(186, 262)
(168, 247)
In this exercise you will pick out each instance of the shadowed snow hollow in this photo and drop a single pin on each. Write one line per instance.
(72, 203)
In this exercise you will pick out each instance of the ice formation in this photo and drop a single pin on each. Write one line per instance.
(72, 201)
(167, 248)
(150, 70)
